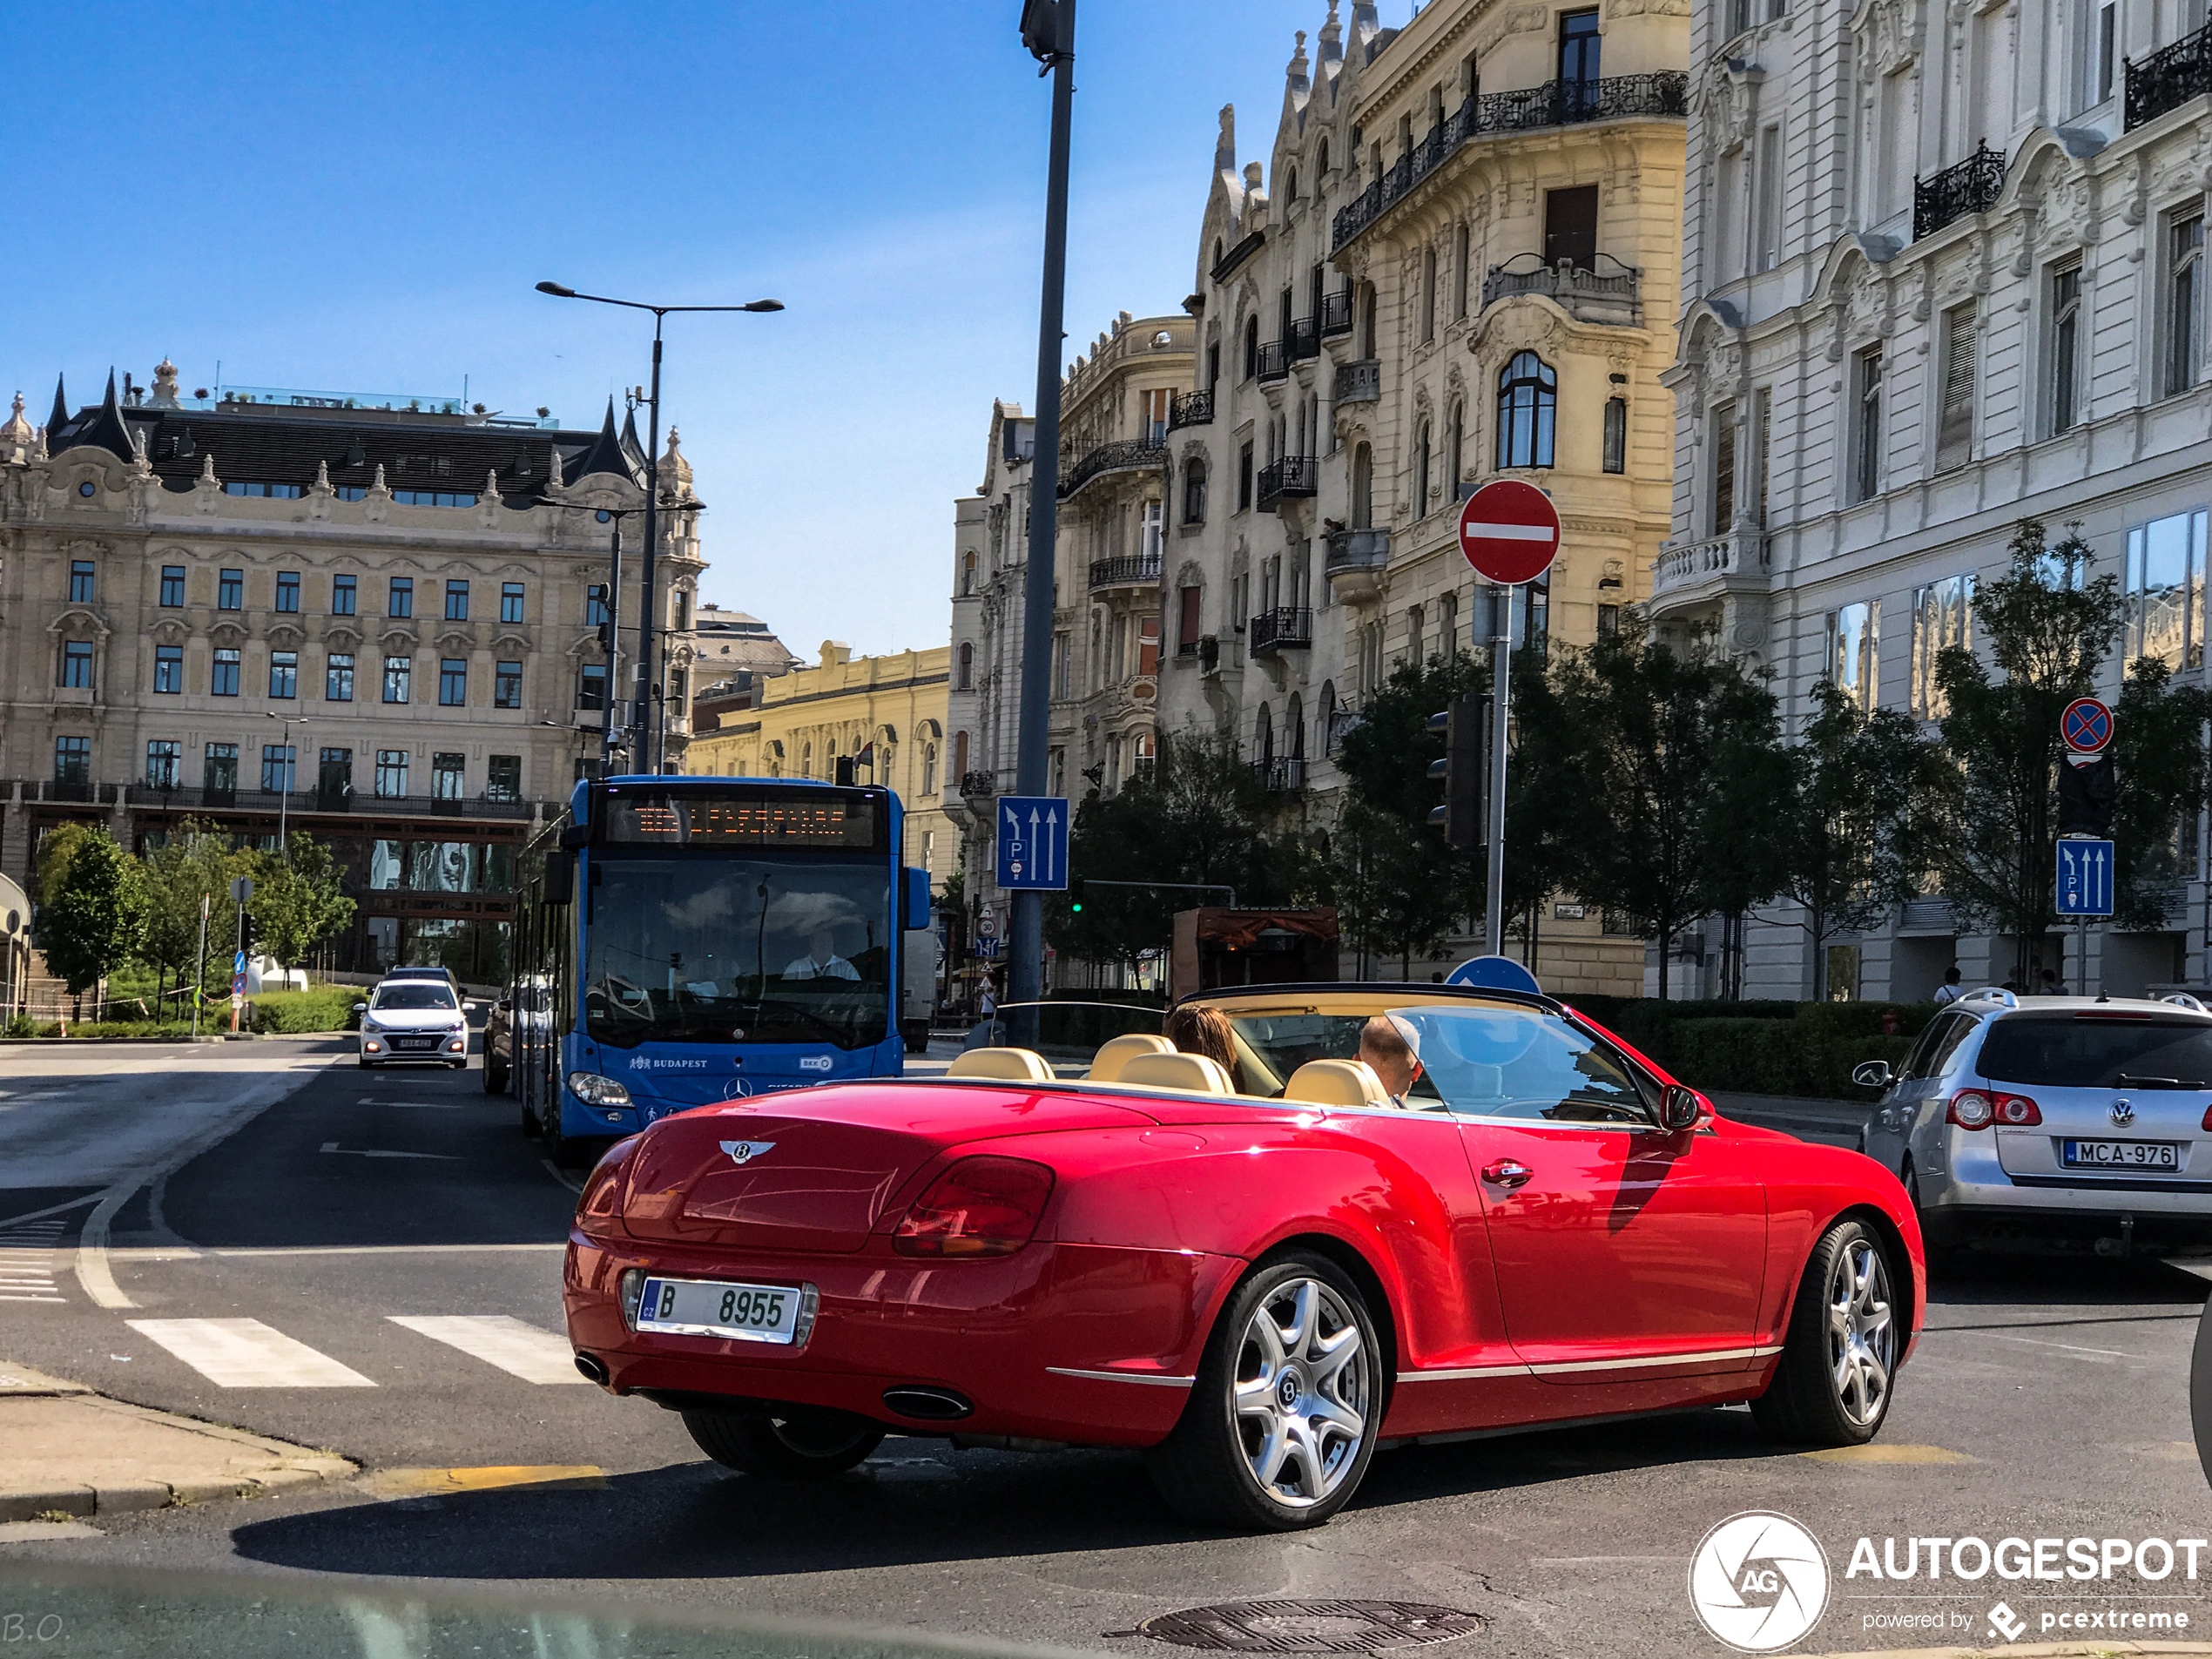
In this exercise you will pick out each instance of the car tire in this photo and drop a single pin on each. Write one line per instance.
(368, 1065)
(1298, 1322)
(784, 1448)
(1833, 1384)
(494, 1077)
(1936, 1246)
(567, 1151)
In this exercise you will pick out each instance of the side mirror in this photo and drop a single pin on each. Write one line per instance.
(1873, 1074)
(1680, 1107)
(360, 1007)
(918, 902)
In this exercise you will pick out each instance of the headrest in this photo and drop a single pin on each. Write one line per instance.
(1337, 1082)
(1116, 1052)
(1193, 1073)
(1006, 1065)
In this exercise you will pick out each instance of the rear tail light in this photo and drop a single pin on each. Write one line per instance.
(2207, 1120)
(602, 1195)
(2013, 1110)
(1971, 1108)
(981, 1206)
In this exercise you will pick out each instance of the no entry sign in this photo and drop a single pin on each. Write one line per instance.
(1509, 531)
(2086, 725)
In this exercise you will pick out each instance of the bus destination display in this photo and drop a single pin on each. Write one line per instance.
(674, 819)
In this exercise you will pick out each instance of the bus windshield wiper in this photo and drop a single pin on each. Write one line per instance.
(2126, 1081)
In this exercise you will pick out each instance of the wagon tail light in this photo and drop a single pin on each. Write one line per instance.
(1979, 1108)
(2207, 1120)
(981, 1206)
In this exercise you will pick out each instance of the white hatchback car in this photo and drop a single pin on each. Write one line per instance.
(2053, 1115)
(413, 1020)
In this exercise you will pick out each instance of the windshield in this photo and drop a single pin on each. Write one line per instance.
(2096, 1051)
(1065, 1033)
(413, 996)
(1521, 1062)
(715, 949)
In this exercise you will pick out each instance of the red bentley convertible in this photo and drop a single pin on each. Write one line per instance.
(1257, 1276)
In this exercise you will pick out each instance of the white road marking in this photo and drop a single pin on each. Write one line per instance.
(414, 1105)
(27, 1252)
(521, 1350)
(2068, 1347)
(377, 1250)
(572, 1183)
(359, 1152)
(244, 1353)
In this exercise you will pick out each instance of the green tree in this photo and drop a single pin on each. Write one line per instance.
(97, 916)
(297, 902)
(195, 862)
(55, 849)
(2159, 769)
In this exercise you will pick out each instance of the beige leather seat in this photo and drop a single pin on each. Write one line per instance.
(1002, 1065)
(1116, 1052)
(1192, 1073)
(1337, 1082)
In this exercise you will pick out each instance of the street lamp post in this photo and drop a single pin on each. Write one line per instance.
(287, 778)
(641, 749)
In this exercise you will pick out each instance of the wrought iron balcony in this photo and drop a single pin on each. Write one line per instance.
(1553, 103)
(1303, 341)
(978, 785)
(1359, 383)
(1192, 409)
(1336, 313)
(1284, 628)
(1126, 570)
(1968, 186)
(1282, 775)
(1274, 363)
(1608, 293)
(1293, 476)
(1120, 455)
(2169, 77)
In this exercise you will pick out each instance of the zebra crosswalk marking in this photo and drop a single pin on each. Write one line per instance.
(27, 1252)
(520, 1350)
(244, 1353)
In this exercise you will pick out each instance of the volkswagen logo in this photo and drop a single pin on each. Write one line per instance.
(2122, 1112)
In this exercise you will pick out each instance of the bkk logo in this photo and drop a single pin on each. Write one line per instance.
(1759, 1581)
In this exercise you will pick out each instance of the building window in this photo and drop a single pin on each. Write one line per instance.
(680, 689)
(1854, 646)
(1609, 621)
(1616, 435)
(397, 672)
(1942, 619)
(1244, 477)
(1720, 432)
(453, 682)
(1420, 470)
(288, 591)
(2166, 590)
(219, 769)
(928, 768)
(1194, 492)
(401, 600)
(1462, 272)
(2066, 343)
(341, 596)
(72, 760)
(1955, 425)
(169, 668)
(80, 582)
(448, 773)
(595, 604)
(276, 768)
(503, 778)
(1578, 63)
(1455, 451)
(1766, 223)
(224, 680)
(284, 674)
(230, 591)
(1251, 347)
(591, 686)
(391, 773)
(264, 491)
(2103, 45)
(1866, 428)
(163, 758)
(1762, 451)
(1363, 487)
(2184, 301)
(1413, 619)
(1186, 635)
(1062, 650)
(456, 602)
(173, 586)
(966, 679)
(434, 498)
(334, 776)
(77, 664)
(1428, 295)
(1527, 401)
(1152, 537)
(510, 602)
(338, 678)
(506, 686)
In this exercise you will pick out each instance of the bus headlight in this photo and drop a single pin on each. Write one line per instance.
(595, 1091)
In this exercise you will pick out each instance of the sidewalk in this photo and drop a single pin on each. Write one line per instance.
(65, 1450)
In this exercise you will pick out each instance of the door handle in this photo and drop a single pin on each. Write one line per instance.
(1507, 1174)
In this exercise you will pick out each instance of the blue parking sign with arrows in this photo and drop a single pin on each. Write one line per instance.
(1033, 841)
(2085, 878)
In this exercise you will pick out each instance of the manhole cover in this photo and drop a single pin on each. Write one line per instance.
(1308, 1627)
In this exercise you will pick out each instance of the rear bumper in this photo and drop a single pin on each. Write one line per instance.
(1962, 1213)
(1077, 1343)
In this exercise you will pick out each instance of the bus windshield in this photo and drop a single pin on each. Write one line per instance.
(716, 949)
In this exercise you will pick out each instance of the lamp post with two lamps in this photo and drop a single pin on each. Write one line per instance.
(642, 750)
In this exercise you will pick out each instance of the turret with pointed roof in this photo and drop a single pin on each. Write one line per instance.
(106, 430)
(606, 455)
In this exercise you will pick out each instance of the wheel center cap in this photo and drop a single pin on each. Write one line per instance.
(1288, 1389)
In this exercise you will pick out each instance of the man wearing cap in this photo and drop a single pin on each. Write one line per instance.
(1392, 1049)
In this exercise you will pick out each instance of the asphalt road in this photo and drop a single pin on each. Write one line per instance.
(2049, 1400)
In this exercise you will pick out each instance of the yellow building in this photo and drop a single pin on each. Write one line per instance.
(885, 714)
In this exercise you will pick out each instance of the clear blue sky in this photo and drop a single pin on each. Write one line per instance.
(360, 198)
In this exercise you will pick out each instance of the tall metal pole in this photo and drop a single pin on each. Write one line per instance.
(199, 979)
(643, 755)
(1493, 925)
(1025, 972)
(614, 652)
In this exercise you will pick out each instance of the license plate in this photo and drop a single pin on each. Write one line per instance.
(415, 1043)
(695, 1307)
(2120, 1155)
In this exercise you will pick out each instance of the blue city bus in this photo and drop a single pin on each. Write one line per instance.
(679, 941)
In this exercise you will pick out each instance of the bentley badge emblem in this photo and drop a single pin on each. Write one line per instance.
(745, 1151)
(2122, 1112)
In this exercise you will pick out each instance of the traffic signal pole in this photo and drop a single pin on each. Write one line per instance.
(1494, 920)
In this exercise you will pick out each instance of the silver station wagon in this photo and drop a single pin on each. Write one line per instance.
(2053, 1118)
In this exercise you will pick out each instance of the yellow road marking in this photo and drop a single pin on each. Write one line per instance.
(1879, 1453)
(427, 1483)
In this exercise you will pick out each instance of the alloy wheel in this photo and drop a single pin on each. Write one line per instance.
(1862, 1334)
(1304, 1384)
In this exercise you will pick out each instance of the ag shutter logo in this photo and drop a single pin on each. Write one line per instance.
(1759, 1581)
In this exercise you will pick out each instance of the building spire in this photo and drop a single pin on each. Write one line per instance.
(59, 418)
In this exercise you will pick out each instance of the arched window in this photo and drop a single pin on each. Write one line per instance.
(1413, 635)
(959, 759)
(1321, 157)
(1428, 294)
(1420, 470)
(1293, 195)
(1294, 727)
(966, 680)
(1194, 492)
(806, 760)
(1447, 625)
(967, 574)
(1328, 721)
(1455, 450)
(1368, 336)
(1363, 487)
(928, 768)
(1462, 277)
(775, 758)
(1264, 736)
(1217, 250)
(1527, 399)
(1251, 347)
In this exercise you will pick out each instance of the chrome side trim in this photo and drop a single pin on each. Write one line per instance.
(1647, 1361)
(1461, 1372)
(1121, 1376)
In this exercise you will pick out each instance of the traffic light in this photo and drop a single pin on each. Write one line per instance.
(607, 639)
(1041, 30)
(1075, 895)
(1465, 770)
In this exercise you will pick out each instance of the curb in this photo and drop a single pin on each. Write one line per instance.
(2039, 1650)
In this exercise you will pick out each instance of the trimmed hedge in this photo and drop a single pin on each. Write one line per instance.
(1806, 1049)
(326, 1007)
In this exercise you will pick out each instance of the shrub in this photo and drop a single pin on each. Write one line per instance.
(1807, 1049)
(326, 1007)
